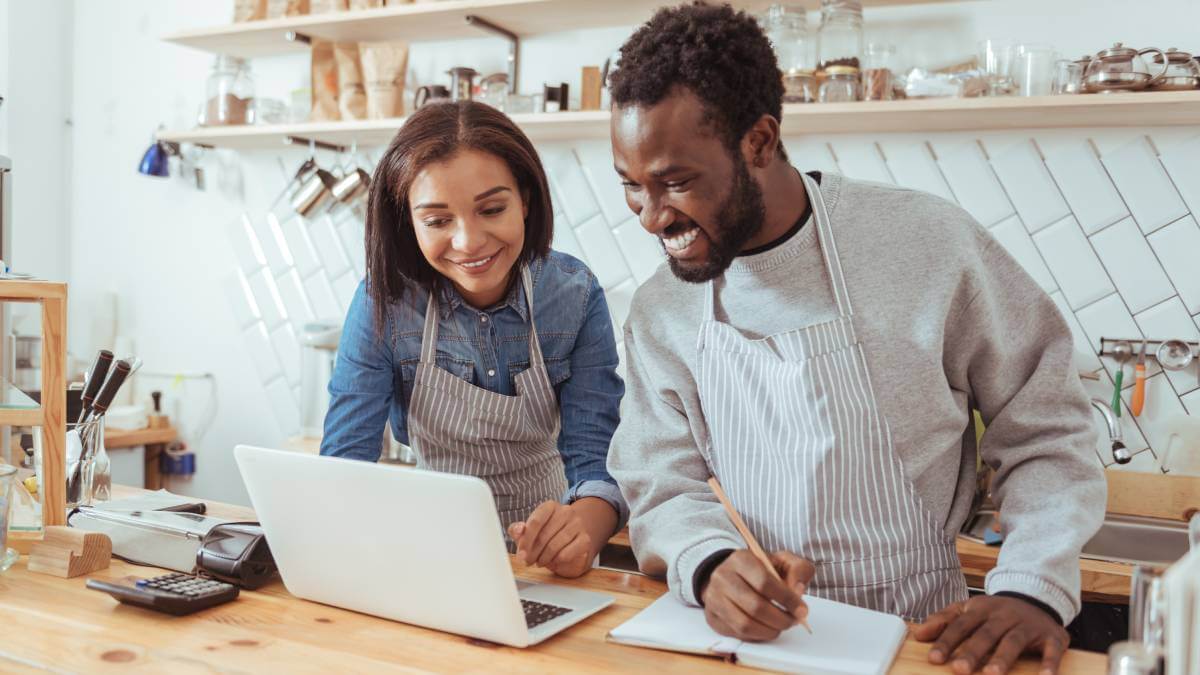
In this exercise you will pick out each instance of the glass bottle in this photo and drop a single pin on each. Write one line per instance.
(877, 75)
(840, 37)
(787, 28)
(229, 93)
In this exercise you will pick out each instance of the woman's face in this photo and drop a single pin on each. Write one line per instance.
(469, 219)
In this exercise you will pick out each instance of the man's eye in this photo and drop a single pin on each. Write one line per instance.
(678, 184)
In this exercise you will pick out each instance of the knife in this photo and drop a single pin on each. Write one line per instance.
(1139, 387)
(95, 378)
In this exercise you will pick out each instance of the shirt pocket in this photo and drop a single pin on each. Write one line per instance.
(460, 368)
(557, 368)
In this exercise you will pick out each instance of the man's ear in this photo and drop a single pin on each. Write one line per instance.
(761, 142)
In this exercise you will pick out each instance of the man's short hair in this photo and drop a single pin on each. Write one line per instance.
(720, 55)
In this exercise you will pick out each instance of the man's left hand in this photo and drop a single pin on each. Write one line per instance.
(992, 632)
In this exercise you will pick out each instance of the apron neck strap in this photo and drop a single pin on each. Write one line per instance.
(833, 262)
(430, 334)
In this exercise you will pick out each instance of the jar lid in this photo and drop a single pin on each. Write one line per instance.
(1174, 56)
(841, 70)
(1118, 50)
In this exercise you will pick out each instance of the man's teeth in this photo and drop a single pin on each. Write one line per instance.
(479, 263)
(682, 241)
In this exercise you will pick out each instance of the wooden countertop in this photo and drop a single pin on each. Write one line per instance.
(64, 626)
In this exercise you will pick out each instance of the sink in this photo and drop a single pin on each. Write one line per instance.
(1137, 540)
(1125, 539)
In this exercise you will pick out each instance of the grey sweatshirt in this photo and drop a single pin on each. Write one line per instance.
(948, 321)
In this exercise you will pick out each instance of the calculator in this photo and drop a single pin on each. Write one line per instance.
(175, 593)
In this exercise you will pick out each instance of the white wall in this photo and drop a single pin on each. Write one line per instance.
(37, 58)
(167, 252)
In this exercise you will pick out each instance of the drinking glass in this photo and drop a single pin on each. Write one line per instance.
(996, 59)
(8, 476)
(1035, 70)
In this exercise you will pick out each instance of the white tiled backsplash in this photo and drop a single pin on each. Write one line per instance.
(1102, 220)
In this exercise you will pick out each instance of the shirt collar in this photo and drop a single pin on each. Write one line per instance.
(450, 300)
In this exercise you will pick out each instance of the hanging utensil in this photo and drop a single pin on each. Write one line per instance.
(95, 378)
(1174, 354)
(1122, 352)
(1139, 388)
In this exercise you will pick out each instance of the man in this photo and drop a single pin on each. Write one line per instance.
(818, 348)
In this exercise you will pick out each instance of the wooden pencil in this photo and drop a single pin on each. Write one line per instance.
(751, 542)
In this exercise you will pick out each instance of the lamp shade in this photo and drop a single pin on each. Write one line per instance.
(154, 162)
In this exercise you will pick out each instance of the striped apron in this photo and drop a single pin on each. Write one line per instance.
(508, 441)
(798, 442)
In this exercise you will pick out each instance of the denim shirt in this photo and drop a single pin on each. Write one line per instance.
(373, 378)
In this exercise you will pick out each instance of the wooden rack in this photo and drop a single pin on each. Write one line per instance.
(16, 409)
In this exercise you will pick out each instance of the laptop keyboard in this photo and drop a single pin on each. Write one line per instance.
(538, 613)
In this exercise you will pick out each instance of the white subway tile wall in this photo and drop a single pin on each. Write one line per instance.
(1112, 242)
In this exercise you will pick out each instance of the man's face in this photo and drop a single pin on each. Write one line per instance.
(685, 185)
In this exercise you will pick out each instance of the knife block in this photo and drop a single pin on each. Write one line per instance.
(68, 552)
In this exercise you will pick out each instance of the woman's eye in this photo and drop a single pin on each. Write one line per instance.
(435, 222)
(494, 211)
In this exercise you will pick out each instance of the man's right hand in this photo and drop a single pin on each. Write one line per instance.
(742, 599)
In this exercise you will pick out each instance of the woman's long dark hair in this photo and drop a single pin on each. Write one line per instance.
(433, 134)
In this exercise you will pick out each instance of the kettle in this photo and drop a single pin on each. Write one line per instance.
(1121, 68)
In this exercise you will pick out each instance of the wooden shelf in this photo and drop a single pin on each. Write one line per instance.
(438, 21)
(925, 115)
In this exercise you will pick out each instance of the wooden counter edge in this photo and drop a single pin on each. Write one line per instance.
(1101, 581)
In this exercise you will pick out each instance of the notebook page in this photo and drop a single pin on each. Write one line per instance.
(669, 624)
(846, 640)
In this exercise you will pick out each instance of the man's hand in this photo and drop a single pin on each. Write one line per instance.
(991, 632)
(562, 538)
(744, 600)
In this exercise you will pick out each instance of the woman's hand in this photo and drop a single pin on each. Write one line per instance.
(564, 538)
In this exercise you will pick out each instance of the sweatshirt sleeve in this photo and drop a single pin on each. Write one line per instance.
(1012, 350)
(676, 522)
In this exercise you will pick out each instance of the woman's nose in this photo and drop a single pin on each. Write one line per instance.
(468, 238)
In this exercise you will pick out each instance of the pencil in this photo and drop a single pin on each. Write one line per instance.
(751, 542)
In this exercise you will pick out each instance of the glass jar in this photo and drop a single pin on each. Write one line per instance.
(8, 479)
(877, 75)
(840, 85)
(840, 37)
(787, 28)
(229, 94)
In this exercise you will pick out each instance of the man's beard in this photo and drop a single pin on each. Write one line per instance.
(738, 220)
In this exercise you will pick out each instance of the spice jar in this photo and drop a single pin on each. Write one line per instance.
(877, 76)
(229, 93)
(787, 29)
(840, 85)
(840, 37)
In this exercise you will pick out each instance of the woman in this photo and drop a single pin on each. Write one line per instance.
(478, 340)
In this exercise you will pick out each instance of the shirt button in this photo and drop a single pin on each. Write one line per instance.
(483, 318)
(491, 373)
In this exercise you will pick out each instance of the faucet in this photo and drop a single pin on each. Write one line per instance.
(1119, 452)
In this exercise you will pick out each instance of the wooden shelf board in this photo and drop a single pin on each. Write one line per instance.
(439, 21)
(924, 115)
(16, 290)
(131, 438)
(21, 417)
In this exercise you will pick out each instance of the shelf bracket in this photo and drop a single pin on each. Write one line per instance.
(312, 142)
(514, 46)
(293, 36)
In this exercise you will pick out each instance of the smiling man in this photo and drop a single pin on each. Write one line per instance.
(818, 344)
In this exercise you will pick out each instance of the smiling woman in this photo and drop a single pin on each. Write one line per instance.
(479, 342)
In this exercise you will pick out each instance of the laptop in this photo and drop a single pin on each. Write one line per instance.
(421, 547)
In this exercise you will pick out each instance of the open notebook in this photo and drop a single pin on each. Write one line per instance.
(846, 640)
